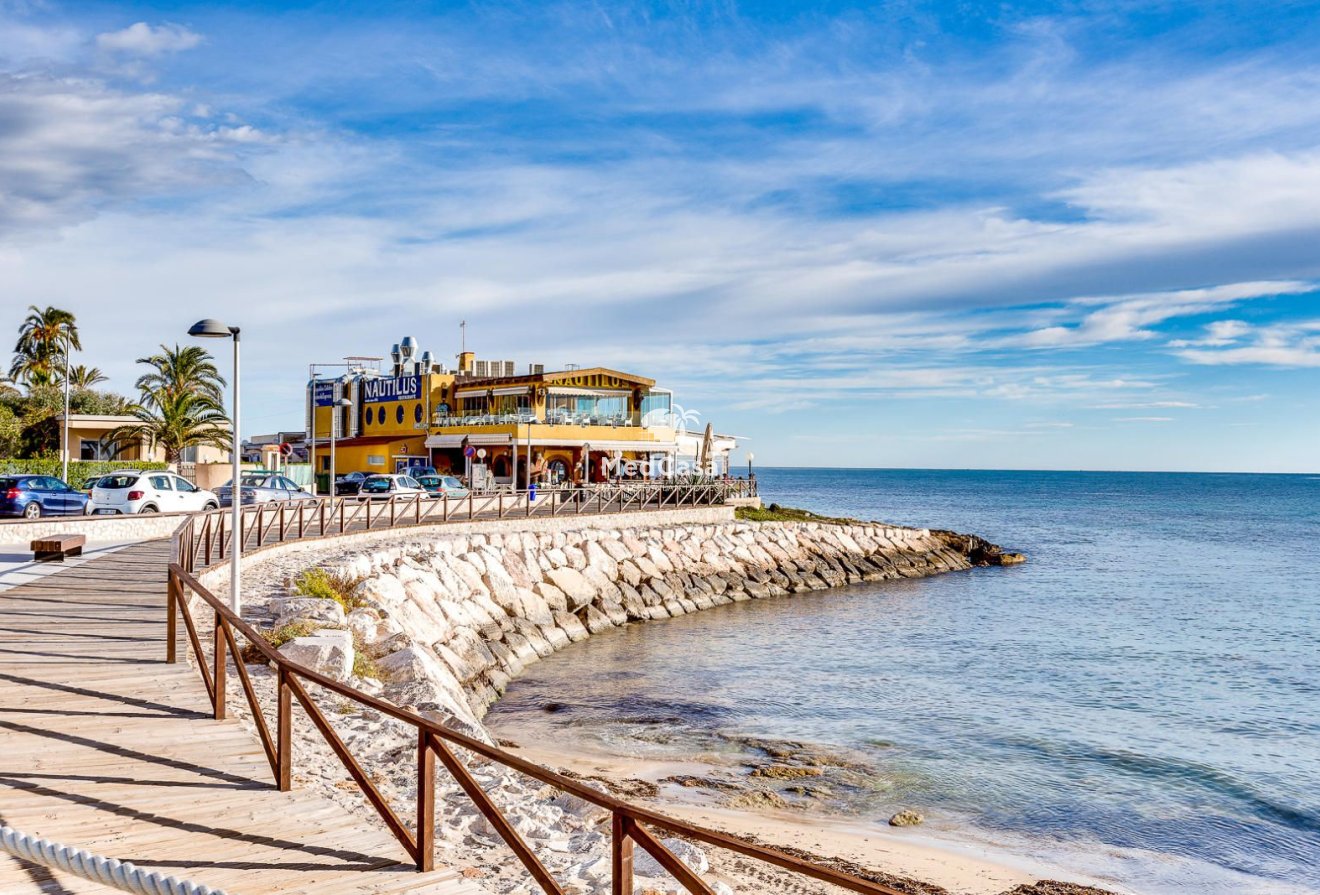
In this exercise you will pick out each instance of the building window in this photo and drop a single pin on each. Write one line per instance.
(417, 414)
(557, 472)
(380, 416)
(398, 414)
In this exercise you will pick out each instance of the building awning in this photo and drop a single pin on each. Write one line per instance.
(589, 392)
(483, 392)
(442, 442)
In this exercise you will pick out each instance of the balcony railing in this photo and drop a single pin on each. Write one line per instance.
(522, 419)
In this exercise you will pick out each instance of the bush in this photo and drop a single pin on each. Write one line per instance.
(81, 472)
(328, 586)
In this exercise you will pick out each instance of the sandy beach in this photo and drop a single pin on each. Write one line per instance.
(965, 868)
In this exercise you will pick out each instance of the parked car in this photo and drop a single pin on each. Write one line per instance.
(383, 487)
(34, 496)
(263, 487)
(348, 484)
(442, 486)
(149, 491)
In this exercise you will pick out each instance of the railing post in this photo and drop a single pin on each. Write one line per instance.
(284, 734)
(341, 515)
(425, 802)
(218, 649)
(621, 856)
(499, 504)
(171, 619)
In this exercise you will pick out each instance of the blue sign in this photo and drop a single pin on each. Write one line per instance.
(323, 393)
(379, 391)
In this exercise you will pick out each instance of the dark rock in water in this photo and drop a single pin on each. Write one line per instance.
(906, 818)
(1054, 887)
(785, 772)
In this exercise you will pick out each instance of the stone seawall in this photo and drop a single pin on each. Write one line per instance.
(97, 528)
(442, 620)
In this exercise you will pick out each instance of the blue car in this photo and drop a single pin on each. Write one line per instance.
(34, 496)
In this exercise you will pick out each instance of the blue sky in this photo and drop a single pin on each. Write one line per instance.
(1071, 235)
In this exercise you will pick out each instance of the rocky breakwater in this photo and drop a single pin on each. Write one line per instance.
(443, 622)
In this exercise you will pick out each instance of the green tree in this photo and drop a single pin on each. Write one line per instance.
(39, 354)
(181, 403)
(85, 377)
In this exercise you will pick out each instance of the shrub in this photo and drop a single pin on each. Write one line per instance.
(81, 472)
(327, 585)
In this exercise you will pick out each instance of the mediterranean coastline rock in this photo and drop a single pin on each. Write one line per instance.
(906, 818)
(468, 612)
(447, 619)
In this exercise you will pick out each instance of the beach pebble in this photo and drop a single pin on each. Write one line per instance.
(906, 818)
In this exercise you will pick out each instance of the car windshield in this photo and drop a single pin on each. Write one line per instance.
(117, 482)
(373, 484)
(429, 481)
(254, 481)
(451, 482)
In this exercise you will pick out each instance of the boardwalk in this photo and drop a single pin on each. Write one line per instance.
(103, 746)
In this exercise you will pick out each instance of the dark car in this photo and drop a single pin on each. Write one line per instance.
(34, 496)
(350, 483)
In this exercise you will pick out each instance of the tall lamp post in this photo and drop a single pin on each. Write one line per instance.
(64, 450)
(214, 329)
(750, 458)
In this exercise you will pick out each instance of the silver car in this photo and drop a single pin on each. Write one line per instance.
(263, 488)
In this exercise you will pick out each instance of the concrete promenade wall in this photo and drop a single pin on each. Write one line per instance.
(96, 528)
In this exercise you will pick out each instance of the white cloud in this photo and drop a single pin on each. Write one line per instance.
(1129, 318)
(1295, 345)
(141, 39)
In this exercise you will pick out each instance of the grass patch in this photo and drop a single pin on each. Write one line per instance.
(777, 513)
(328, 586)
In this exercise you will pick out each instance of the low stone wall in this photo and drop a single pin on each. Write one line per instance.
(97, 528)
(447, 616)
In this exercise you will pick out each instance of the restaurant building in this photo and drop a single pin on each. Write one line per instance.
(487, 420)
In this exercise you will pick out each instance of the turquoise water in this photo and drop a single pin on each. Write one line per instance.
(1140, 702)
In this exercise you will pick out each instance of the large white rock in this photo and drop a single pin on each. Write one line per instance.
(327, 652)
(576, 588)
(313, 609)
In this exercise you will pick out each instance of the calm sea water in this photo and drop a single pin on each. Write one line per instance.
(1141, 702)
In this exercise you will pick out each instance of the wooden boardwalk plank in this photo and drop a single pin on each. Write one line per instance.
(104, 746)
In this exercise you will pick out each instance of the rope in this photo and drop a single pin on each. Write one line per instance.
(108, 871)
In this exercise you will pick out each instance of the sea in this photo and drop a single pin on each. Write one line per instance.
(1138, 705)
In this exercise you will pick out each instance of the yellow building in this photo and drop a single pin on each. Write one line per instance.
(485, 420)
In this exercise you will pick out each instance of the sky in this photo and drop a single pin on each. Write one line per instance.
(1080, 235)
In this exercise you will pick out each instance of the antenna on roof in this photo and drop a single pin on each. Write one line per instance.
(462, 335)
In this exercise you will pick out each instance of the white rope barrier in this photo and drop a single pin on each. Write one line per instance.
(108, 871)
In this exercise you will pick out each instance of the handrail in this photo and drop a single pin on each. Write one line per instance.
(264, 525)
(629, 822)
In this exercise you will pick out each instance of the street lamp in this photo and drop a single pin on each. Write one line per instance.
(338, 411)
(750, 458)
(214, 329)
(64, 451)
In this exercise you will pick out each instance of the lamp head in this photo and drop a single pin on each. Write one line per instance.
(750, 456)
(211, 329)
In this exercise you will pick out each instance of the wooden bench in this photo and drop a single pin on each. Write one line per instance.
(56, 547)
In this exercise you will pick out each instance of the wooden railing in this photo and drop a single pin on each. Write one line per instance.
(326, 516)
(631, 825)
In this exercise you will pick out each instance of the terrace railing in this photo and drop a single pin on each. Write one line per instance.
(212, 532)
(631, 825)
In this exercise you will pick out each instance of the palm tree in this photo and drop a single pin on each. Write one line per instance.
(39, 354)
(181, 403)
(86, 377)
(178, 371)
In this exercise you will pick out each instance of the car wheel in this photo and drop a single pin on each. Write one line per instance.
(32, 511)
(149, 508)
(210, 505)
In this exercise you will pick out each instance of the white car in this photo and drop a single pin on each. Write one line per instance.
(149, 491)
(383, 487)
